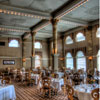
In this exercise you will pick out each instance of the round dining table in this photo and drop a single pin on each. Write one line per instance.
(83, 91)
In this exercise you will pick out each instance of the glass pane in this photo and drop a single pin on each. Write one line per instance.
(81, 63)
(81, 60)
(80, 37)
(98, 60)
(13, 43)
(68, 55)
(80, 54)
(69, 40)
(98, 32)
(38, 45)
(37, 61)
(69, 61)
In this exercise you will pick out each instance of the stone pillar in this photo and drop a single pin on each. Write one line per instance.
(89, 39)
(33, 50)
(55, 55)
(63, 51)
(23, 52)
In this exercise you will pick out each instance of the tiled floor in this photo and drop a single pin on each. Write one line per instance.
(32, 93)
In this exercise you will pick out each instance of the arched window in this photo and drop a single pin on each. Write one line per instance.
(98, 33)
(81, 60)
(37, 61)
(13, 43)
(69, 60)
(80, 37)
(69, 40)
(98, 60)
(38, 45)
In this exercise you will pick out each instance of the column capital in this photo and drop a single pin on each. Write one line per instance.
(33, 33)
(54, 21)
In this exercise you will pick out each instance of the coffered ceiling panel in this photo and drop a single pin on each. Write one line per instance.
(20, 21)
(40, 5)
(87, 12)
(63, 26)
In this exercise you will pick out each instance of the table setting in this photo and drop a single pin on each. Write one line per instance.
(57, 83)
(83, 91)
(7, 92)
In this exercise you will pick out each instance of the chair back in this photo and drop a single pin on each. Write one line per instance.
(46, 82)
(95, 94)
(7, 80)
(70, 92)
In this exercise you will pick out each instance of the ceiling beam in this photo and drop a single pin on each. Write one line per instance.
(37, 27)
(40, 25)
(67, 7)
(26, 35)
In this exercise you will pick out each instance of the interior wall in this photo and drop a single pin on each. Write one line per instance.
(10, 53)
(77, 46)
(43, 52)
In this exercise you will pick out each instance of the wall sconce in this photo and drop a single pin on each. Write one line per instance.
(24, 60)
(90, 57)
(61, 58)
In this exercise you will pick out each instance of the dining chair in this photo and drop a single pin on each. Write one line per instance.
(70, 92)
(46, 86)
(28, 79)
(7, 80)
(95, 94)
(64, 86)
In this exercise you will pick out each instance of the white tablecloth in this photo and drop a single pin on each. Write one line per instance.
(35, 77)
(57, 83)
(7, 92)
(61, 74)
(83, 92)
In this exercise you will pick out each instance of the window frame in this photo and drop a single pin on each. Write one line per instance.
(77, 58)
(39, 60)
(77, 38)
(71, 40)
(98, 60)
(98, 32)
(69, 58)
(13, 43)
(39, 43)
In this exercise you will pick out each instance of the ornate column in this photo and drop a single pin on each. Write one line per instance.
(55, 55)
(63, 51)
(22, 52)
(33, 50)
(89, 38)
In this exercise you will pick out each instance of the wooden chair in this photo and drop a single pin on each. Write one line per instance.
(70, 92)
(64, 86)
(28, 80)
(95, 94)
(46, 86)
(18, 76)
(76, 79)
(7, 80)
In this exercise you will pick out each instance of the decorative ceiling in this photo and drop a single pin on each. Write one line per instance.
(38, 5)
(18, 16)
(87, 12)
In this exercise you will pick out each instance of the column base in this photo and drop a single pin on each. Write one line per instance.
(55, 62)
(33, 62)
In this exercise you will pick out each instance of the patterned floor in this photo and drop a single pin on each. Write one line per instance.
(32, 93)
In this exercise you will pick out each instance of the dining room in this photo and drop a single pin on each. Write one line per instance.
(49, 50)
